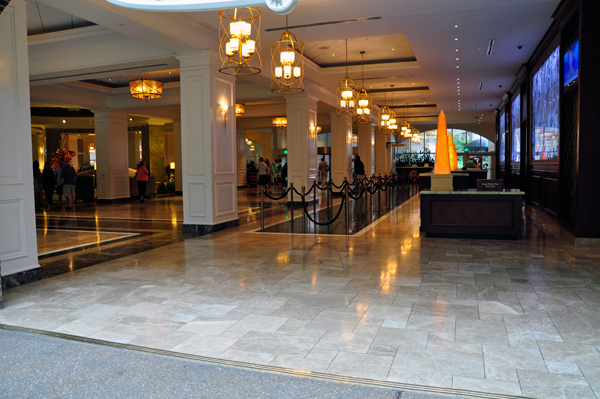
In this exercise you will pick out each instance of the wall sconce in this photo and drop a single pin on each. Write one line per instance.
(224, 108)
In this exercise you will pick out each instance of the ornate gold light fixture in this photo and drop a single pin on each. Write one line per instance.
(146, 89)
(239, 41)
(287, 63)
(364, 100)
(406, 128)
(347, 92)
(240, 109)
(385, 114)
(280, 122)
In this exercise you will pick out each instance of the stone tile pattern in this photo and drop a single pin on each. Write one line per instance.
(506, 317)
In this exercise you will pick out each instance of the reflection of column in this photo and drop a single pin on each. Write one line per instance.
(178, 162)
(112, 154)
(302, 140)
(366, 147)
(208, 140)
(241, 158)
(18, 244)
(341, 148)
(383, 155)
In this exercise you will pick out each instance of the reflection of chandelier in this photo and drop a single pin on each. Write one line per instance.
(346, 93)
(239, 50)
(280, 122)
(287, 63)
(363, 110)
(146, 89)
(240, 109)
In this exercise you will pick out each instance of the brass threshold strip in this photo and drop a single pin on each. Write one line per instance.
(397, 386)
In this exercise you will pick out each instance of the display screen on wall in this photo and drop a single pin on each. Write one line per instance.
(515, 128)
(571, 62)
(502, 138)
(545, 99)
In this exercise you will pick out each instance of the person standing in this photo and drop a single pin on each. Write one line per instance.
(284, 175)
(48, 183)
(323, 170)
(37, 185)
(142, 179)
(69, 179)
(359, 168)
(263, 173)
(59, 185)
(276, 171)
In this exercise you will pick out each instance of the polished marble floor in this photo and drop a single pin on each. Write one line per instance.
(506, 317)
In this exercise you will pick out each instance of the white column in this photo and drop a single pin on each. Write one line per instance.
(341, 148)
(302, 140)
(282, 138)
(241, 158)
(383, 155)
(18, 243)
(178, 162)
(366, 147)
(208, 140)
(112, 154)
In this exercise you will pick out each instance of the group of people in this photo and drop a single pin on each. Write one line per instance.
(267, 173)
(63, 180)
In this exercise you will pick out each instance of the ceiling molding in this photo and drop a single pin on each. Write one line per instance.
(70, 34)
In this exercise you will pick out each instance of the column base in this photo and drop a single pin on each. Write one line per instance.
(20, 278)
(203, 229)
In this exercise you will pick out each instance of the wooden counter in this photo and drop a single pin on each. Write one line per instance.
(472, 214)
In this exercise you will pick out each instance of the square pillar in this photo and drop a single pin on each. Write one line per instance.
(18, 243)
(366, 147)
(341, 148)
(112, 154)
(383, 154)
(156, 143)
(302, 141)
(178, 162)
(208, 142)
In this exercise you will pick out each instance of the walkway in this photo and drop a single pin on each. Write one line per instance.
(505, 317)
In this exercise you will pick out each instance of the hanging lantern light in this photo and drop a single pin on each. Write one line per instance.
(364, 100)
(239, 41)
(280, 122)
(287, 63)
(385, 114)
(146, 89)
(347, 92)
(240, 109)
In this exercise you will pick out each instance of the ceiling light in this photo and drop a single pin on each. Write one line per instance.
(456, 38)
(64, 121)
(456, 50)
(239, 41)
(393, 49)
(363, 99)
(280, 122)
(456, 26)
(457, 59)
(347, 92)
(169, 73)
(146, 89)
(457, 66)
(287, 63)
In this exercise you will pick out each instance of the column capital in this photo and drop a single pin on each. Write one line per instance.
(299, 99)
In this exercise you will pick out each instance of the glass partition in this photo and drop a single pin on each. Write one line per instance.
(502, 138)
(545, 102)
(515, 115)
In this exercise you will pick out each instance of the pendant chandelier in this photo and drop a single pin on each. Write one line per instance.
(364, 100)
(385, 114)
(146, 89)
(239, 41)
(406, 127)
(280, 122)
(391, 125)
(347, 92)
(287, 63)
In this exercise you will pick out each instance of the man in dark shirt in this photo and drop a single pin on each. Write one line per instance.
(359, 168)
(69, 179)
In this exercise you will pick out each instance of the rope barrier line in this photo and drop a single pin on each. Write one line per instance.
(326, 223)
(285, 193)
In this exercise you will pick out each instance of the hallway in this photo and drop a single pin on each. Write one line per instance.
(506, 317)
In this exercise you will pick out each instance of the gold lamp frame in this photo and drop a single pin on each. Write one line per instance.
(239, 41)
(364, 100)
(287, 63)
(385, 114)
(146, 89)
(346, 93)
(280, 123)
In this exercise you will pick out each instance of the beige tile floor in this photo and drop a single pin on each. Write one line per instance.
(51, 241)
(509, 317)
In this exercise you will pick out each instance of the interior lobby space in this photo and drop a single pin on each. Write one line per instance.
(299, 198)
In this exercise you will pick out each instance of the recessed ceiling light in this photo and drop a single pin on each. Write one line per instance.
(456, 38)
(456, 50)
(332, 54)
(393, 49)
(457, 66)
(457, 78)
(109, 79)
(456, 26)
(64, 121)
(169, 73)
(457, 59)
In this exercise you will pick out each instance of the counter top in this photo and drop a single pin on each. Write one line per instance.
(513, 191)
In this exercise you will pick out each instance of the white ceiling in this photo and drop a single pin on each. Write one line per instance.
(416, 29)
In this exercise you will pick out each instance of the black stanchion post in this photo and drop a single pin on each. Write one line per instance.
(315, 204)
(303, 215)
(262, 209)
(292, 200)
(347, 211)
